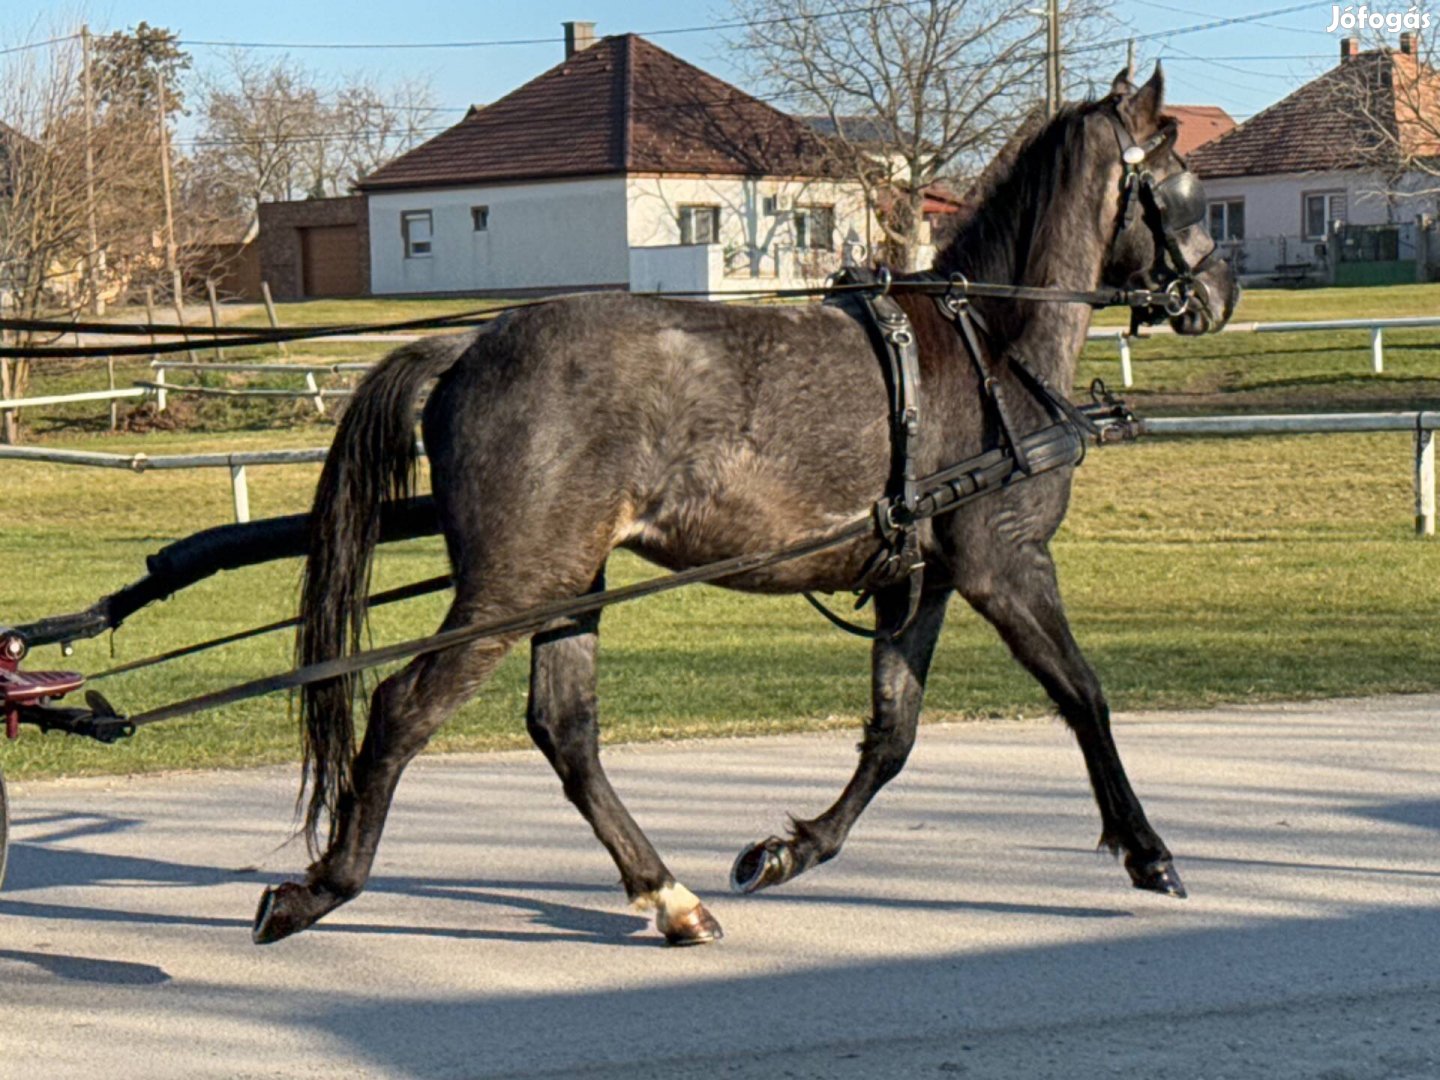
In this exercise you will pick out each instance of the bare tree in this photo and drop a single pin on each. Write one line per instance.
(910, 92)
(1392, 97)
(273, 131)
(45, 203)
(376, 123)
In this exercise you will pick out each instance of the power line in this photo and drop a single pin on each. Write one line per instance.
(1202, 14)
(1212, 24)
(38, 44)
(708, 28)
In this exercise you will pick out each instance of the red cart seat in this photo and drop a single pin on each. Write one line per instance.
(28, 687)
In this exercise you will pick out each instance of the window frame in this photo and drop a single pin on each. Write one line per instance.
(412, 244)
(688, 213)
(1328, 196)
(1227, 212)
(805, 230)
(480, 218)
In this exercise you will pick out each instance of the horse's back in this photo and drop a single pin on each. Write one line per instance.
(688, 431)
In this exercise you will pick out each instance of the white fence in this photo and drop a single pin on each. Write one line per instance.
(1377, 328)
(1422, 424)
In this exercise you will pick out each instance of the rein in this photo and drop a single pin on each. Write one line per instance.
(894, 518)
(239, 337)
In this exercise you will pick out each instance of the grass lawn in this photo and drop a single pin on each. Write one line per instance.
(1195, 571)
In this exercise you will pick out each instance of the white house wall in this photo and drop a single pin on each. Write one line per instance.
(560, 234)
(748, 234)
(1274, 205)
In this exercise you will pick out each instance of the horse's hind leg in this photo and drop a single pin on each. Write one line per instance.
(563, 721)
(898, 671)
(1019, 595)
(405, 712)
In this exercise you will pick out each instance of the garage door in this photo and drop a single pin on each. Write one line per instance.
(330, 255)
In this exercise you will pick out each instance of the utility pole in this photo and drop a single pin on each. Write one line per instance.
(1053, 94)
(92, 255)
(170, 249)
(1130, 60)
(171, 260)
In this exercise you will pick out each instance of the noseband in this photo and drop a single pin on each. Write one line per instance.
(1169, 207)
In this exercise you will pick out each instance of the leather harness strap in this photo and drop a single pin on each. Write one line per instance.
(898, 514)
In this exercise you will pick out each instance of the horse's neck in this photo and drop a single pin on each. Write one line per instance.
(1049, 335)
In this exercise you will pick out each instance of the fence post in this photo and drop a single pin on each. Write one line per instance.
(314, 388)
(159, 372)
(1127, 376)
(270, 311)
(241, 492)
(1424, 481)
(114, 405)
(9, 428)
(1377, 349)
(214, 315)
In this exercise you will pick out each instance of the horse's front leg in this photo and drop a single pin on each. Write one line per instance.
(1019, 595)
(898, 670)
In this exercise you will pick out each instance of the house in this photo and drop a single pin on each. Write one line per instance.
(1312, 169)
(312, 248)
(1198, 125)
(621, 167)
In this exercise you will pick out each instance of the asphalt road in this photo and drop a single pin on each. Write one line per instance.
(968, 930)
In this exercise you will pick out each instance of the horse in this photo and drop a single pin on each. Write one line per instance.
(691, 432)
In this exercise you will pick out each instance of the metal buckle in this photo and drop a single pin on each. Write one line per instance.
(955, 300)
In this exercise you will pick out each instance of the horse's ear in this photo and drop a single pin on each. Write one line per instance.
(1143, 107)
(1122, 87)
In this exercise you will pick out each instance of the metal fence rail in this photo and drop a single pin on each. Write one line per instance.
(1377, 328)
(1422, 424)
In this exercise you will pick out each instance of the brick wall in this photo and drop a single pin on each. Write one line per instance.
(281, 258)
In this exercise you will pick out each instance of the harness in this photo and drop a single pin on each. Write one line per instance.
(1169, 206)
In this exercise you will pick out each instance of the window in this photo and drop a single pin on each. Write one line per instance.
(480, 218)
(1227, 220)
(699, 224)
(417, 231)
(1322, 210)
(815, 228)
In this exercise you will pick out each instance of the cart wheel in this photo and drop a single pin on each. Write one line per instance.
(4, 828)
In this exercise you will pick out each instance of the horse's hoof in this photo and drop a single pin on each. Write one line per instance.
(1160, 877)
(284, 910)
(761, 865)
(695, 927)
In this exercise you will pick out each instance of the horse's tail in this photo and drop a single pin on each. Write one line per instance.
(372, 459)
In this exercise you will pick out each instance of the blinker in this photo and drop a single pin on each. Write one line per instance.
(1181, 201)
(1134, 155)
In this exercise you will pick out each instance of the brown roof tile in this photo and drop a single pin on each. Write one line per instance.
(1330, 123)
(1198, 125)
(621, 106)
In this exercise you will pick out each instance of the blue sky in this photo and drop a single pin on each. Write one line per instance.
(1241, 67)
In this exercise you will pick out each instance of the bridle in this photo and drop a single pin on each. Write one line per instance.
(1169, 207)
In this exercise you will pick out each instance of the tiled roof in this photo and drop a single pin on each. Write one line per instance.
(1198, 125)
(1327, 124)
(621, 106)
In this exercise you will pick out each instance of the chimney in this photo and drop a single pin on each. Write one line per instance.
(578, 37)
(1408, 42)
(1349, 48)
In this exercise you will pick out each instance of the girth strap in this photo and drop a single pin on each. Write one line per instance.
(899, 558)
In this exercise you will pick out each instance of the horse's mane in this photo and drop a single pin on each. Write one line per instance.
(995, 242)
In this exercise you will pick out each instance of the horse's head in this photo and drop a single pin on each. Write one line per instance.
(1159, 235)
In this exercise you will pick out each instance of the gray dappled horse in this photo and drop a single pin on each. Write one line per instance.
(692, 432)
